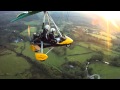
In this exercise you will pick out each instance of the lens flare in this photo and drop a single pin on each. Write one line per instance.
(108, 21)
(108, 35)
(111, 24)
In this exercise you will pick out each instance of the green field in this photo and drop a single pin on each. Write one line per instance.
(56, 60)
(95, 47)
(78, 50)
(53, 59)
(106, 71)
(27, 51)
(101, 37)
(10, 65)
(91, 46)
(84, 54)
(31, 23)
(80, 58)
(32, 30)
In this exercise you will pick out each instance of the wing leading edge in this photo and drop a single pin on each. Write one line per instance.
(25, 14)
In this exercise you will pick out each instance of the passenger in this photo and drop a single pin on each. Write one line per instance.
(53, 37)
(52, 33)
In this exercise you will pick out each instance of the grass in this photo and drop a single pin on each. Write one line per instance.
(101, 37)
(11, 65)
(106, 34)
(54, 60)
(85, 54)
(27, 51)
(31, 23)
(80, 58)
(10, 77)
(95, 47)
(77, 50)
(106, 71)
(83, 44)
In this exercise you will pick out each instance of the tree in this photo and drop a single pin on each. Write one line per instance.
(115, 61)
(90, 70)
(60, 51)
(99, 57)
(74, 70)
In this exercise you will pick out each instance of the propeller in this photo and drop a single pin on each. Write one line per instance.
(29, 32)
(32, 46)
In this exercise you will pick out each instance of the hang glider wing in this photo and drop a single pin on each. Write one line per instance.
(25, 14)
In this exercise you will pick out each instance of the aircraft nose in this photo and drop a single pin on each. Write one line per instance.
(71, 41)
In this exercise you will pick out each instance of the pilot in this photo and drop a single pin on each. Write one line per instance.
(36, 38)
(45, 31)
(34, 35)
(52, 33)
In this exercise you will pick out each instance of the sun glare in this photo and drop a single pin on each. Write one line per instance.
(109, 17)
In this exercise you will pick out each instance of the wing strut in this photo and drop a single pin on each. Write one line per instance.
(41, 47)
(54, 24)
(50, 50)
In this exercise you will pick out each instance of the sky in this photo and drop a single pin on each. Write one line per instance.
(106, 14)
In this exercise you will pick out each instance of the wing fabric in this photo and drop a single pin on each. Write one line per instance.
(25, 14)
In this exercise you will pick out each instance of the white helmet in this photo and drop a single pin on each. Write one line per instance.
(52, 30)
(34, 33)
(47, 27)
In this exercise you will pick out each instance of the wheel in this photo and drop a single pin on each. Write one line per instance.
(54, 41)
(68, 45)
